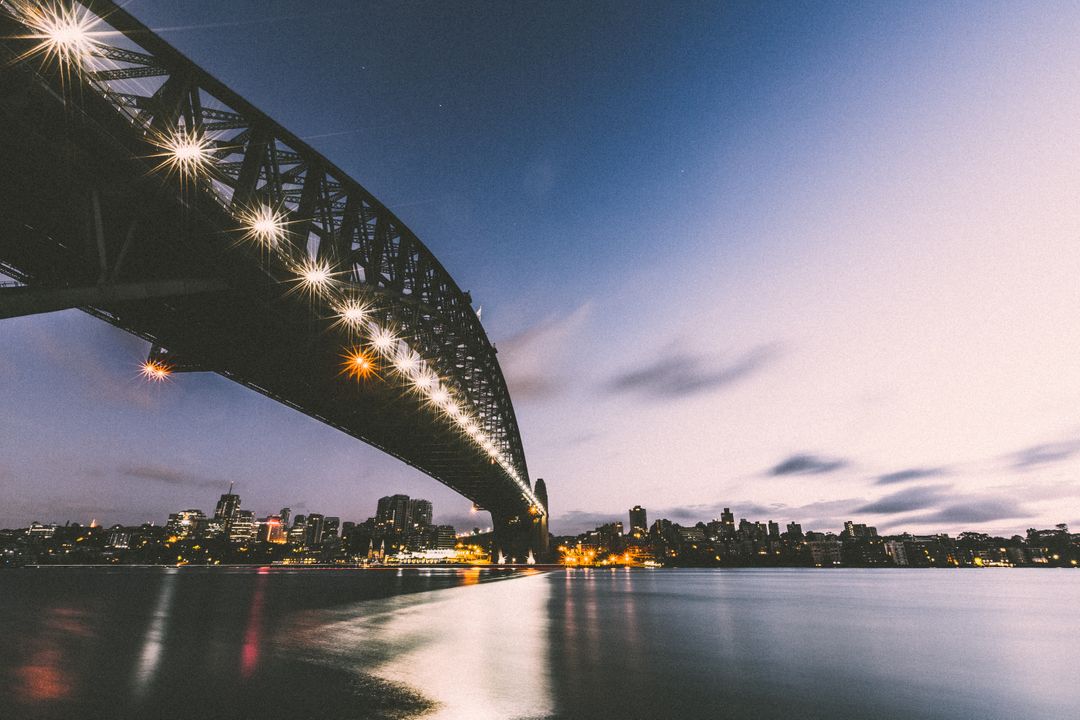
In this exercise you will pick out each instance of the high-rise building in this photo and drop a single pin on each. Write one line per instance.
(727, 522)
(242, 528)
(298, 532)
(271, 529)
(794, 531)
(854, 530)
(330, 527)
(419, 513)
(639, 523)
(314, 535)
(445, 537)
(185, 524)
(285, 514)
(226, 509)
(774, 530)
(392, 513)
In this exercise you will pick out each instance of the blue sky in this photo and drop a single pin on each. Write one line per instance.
(809, 261)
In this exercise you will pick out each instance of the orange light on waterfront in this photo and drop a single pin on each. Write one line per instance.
(155, 371)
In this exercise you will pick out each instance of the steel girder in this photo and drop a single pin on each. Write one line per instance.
(330, 218)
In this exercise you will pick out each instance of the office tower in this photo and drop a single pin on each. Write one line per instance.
(271, 529)
(330, 527)
(727, 522)
(185, 524)
(445, 538)
(419, 513)
(314, 533)
(298, 532)
(639, 523)
(285, 514)
(774, 530)
(391, 514)
(226, 510)
(242, 527)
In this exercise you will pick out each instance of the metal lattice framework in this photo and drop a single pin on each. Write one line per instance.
(305, 227)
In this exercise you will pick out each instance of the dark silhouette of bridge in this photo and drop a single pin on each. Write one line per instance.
(140, 189)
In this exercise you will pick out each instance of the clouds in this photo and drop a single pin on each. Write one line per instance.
(805, 464)
(916, 498)
(916, 473)
(1044, 454)
(532, 361)
(975, 510)
(169, 476)
(682, 374)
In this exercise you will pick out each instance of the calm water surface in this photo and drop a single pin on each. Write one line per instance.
(155, 642)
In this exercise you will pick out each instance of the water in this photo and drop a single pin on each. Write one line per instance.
(146, 642)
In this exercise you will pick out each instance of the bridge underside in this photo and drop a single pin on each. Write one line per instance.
(80, 214)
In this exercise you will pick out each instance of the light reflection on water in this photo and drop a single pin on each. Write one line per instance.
(476, 652)
(578, 644)
(154, 643)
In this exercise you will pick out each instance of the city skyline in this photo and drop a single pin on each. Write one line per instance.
(851, 323)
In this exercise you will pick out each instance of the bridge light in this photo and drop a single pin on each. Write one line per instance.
(314, 275)
(440, 396)
(383, 339)
(472, 428)
(453, 409)
(352, 314)
(184, 152)
(357, 364)
(265, 225)
(425, 380)
(62, 33)
(155, 371)
(407, 362)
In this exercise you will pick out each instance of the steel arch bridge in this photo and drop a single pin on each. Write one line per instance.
(140, 189)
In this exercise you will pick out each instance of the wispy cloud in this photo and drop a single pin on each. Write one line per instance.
(916, 498)
(532, 360)
(806, 464)
(975, 510)
(682, 374)
(1044, 454)
(170, 476)
(917, 473)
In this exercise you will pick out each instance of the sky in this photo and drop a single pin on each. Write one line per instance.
(813, 262)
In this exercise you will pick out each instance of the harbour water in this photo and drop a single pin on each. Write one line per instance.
(469, 643)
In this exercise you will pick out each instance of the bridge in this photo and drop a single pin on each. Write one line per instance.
(140, 189)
